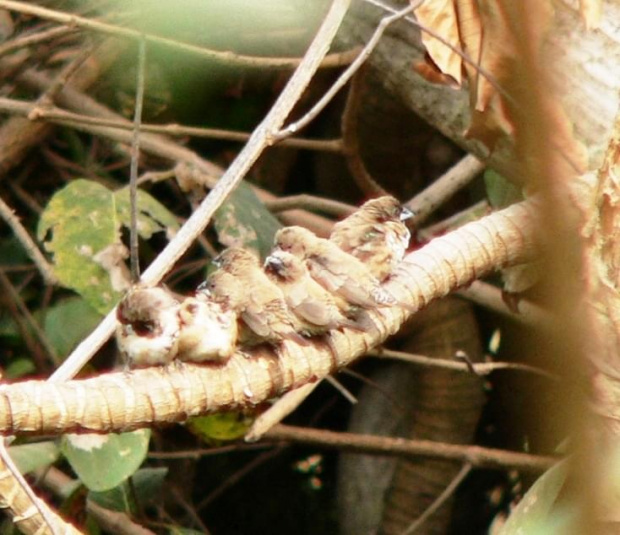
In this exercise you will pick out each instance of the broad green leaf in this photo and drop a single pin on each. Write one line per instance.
(81, 219)
(68, 322)
(500, 192)
(147, 485)
(81, 227)
(29, 457)
(245, 222)
(103, 462)
(218, 427)
(539, 513)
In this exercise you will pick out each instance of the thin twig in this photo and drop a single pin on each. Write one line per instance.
(279, 410)
(36, 38)
(341, 389)
(156, 176)
(441, 499)
(134, 254)
(337, 59)
(72, 119)
(477, 456)
(480, 368)
(231, 178)
(347, 74)
(437, 193)
(50, 94)
(28, 243)
(199, 453)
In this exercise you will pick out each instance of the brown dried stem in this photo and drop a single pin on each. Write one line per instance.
(479, 368)
(477, 456)
(457, 177)
(28, 243)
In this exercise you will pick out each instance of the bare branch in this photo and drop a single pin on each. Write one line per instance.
(28, 243)
(477, 456)
(457, 177)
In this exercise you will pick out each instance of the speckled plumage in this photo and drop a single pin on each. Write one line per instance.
(240, 285)
(375, 234)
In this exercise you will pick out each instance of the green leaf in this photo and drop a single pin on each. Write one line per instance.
(220, 427)
(82, 221)
(147, 484)
(29, 457)
(81, 227)
(68, 322)
(500, 192)
(539, 513)
(103, 462)
(243, 221)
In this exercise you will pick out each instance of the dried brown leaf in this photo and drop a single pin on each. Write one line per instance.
(440, 15)
(496, 36)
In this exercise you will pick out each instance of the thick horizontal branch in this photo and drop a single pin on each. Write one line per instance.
(477, 456)
(123, 401)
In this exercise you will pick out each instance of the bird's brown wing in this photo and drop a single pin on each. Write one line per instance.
(335, 277)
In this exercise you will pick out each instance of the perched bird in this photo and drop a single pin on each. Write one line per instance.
(208, 330)
(376, 234)
(314, 306)
(147, 332)
(338, 272)
(240, 285)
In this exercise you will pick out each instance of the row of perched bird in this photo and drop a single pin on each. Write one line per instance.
(306, 286)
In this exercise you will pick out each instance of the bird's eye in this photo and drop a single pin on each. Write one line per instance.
(143, 328)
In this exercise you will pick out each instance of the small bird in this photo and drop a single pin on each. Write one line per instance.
(208, 330)
(376, 234)
(148, 328)
(314, 306)
(240, 285)
(338, 272)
